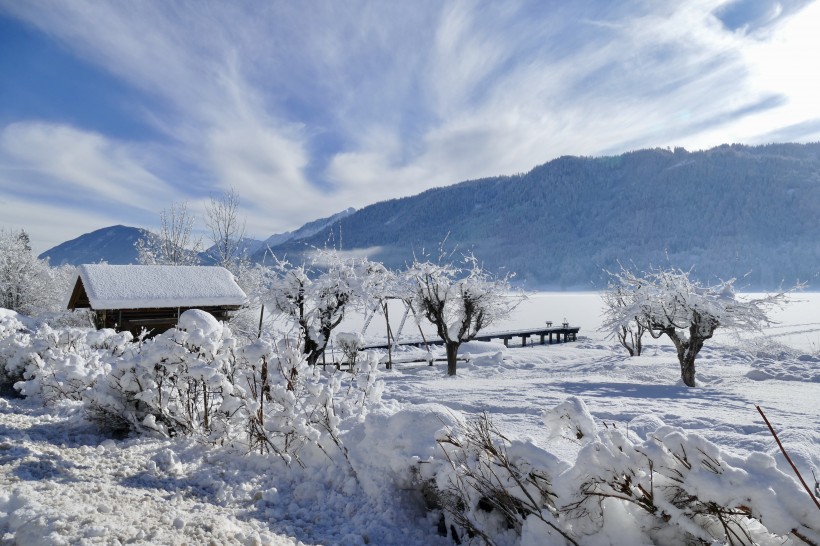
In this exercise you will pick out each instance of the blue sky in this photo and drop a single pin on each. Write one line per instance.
(110, 111)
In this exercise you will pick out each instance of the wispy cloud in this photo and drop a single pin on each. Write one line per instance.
(51, 223)
(308, 109)
(73, 165)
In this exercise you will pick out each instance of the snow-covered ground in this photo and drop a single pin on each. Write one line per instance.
(63, 482)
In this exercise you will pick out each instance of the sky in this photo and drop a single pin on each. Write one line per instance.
(111, 111)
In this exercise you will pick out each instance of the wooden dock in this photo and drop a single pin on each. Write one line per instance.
(561, 334)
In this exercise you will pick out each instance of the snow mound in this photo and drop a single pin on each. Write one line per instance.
(800, 367)
(197, 319)
(387, 445)
(12, 321)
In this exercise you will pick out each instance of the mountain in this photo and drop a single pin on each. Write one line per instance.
(247, 246)
(731, 211)
(114, 244)
(307, 230)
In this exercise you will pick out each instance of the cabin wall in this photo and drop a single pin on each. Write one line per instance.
(155, 321)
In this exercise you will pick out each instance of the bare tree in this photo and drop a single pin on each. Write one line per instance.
(667, 302)
(175, 243)
(460, 302)
(227, 230)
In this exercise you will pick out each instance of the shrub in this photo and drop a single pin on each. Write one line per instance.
(171, 384)
(672, 487)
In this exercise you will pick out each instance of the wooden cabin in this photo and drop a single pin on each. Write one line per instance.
(133, 297)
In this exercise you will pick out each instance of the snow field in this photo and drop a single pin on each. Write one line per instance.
(64, 482)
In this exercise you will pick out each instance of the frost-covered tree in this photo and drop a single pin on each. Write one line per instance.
(174, 244)
(315, 298)
(629, 334)
(459, 301)
(25, 281)
(227, 231)
(667, 302)
(256, 281)
(378, 286)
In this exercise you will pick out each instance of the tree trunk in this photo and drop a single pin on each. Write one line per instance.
(452, 354)
(687, 369)
(313, 356)
(687, 363)
(687, 351)
(622, 339)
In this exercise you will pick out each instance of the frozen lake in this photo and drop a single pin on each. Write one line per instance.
(797, 325)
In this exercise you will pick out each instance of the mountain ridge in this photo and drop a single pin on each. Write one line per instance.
(732, 211)
(307, 230)
(748, 212)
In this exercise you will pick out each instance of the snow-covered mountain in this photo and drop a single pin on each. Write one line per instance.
(114, 244)
(308, 230)
(731, 211)
(247, 247)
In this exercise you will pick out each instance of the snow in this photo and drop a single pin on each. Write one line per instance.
(155, 286)
(63, 481)
(12, 321)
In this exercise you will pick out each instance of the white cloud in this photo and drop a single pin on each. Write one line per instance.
(786, 62)
(57, 161)
(49, 224)
(508, 96)
(190, 57)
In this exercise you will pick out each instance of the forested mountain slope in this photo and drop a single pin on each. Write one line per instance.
(731, 211)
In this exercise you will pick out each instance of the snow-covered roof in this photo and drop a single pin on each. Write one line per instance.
(156, 286)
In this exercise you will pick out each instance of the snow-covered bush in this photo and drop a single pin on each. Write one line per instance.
(196, 380)
(15, 335)
(174, 383)
(288, 404)
(350, 343)
(492, 485)
(364, 389)
(193, 380)
(672, 487)
(62, 364)
(53, 364)
(682, 488)
(76, 318)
